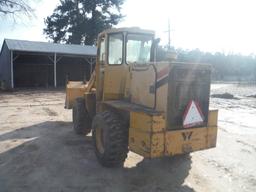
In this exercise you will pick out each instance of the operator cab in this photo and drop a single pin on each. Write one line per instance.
(119, 50)
(125, 46)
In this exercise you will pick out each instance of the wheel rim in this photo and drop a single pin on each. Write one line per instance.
(99, 140)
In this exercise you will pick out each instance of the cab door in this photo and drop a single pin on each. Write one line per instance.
(115, 68)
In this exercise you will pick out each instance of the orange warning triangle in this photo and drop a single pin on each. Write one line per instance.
(193, 115)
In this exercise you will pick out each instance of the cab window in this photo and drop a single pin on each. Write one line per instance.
(115, 49)
(138, 48)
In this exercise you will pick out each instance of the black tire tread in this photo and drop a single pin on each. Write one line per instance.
(116, 148)
(81, 119)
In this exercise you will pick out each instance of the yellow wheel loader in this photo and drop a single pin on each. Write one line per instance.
(132, 102)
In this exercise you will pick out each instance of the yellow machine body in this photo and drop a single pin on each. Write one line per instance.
(148, 136)
(142, 92)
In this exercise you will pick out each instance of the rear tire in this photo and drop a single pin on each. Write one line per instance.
(81, 119)
(110, 138)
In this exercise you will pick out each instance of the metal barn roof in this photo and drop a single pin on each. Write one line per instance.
(44, 47)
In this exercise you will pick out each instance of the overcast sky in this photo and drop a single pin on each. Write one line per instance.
(216, 25)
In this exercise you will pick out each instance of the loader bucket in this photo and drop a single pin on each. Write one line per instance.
(74, 89)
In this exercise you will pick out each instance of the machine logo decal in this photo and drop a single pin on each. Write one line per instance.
(187, 135)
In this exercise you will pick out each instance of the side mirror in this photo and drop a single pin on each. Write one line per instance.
(153, 49)
(156, 41)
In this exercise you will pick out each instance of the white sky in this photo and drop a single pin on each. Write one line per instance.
(210, 25)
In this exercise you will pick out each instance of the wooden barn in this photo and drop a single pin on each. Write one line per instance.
(42, 64)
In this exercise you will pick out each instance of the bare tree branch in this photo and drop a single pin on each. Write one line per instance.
(15, 8)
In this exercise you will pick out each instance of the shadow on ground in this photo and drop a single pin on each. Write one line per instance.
(50, 157)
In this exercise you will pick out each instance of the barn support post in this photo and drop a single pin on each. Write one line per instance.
(12, 82)
(55, 70)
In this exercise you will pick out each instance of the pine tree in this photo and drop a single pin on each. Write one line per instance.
(80, 21)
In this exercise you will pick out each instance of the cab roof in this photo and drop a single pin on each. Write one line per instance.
(128, 29)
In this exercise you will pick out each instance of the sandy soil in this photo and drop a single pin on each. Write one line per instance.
(40, 152)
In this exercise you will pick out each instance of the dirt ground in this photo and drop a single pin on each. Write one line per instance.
(40, 152)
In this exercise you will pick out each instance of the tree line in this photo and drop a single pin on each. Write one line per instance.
(225, 67)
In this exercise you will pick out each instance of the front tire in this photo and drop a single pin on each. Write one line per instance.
(110, 138)
(81, 119)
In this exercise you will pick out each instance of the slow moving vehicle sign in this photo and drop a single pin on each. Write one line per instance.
(193, 115)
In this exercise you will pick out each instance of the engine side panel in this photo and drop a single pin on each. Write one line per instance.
(187, 82)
